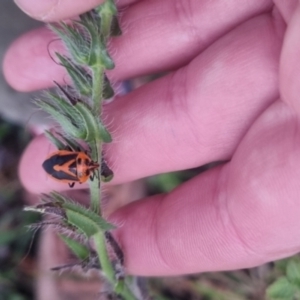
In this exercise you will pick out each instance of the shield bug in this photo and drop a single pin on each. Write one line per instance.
(70, 166)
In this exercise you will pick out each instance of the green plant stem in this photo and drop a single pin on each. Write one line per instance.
(106, 266)
(89, 128)
(96, 147)
(127, 294)
(95, 195)
(98, 81)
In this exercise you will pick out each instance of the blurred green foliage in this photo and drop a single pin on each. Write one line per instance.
(16, 239)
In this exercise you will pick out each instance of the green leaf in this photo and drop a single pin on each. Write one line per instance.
(108, 7)
(281, 265)
(115, 27)
(106, 60)
(119, 287)
(108, 91)
(81, 251)
(98, 53)
(107, 11)
(63, 103)
(4, 130)
(72, 214)
(106, 173)
(281, 289)
(7, 237)
(75, 41)
(65, 122)
(61, 142)
(95, 50)
(293, 271)
(80, 113)
(96, 46)
(85, 220)
(73, 144)
(81, 79)
(95, 129)
(54, 140)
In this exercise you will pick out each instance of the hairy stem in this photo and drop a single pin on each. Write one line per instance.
(98, 81)
(106, 265)
(95, 194)
(107, 268)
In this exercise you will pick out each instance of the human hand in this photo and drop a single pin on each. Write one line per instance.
(228, 61)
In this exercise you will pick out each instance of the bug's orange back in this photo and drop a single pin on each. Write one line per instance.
(70, 166)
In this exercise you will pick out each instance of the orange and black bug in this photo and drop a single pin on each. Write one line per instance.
(70, 166)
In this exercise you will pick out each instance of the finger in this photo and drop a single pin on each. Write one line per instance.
(55, 10)
(34, 67)
(289, 64)
(168, 38)
(193, 116)
(286, 8)
(236, 216)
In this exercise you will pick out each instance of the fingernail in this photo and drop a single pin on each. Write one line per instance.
(22, 7)
(36, 8)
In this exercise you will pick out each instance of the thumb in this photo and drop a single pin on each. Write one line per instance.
(54, 10)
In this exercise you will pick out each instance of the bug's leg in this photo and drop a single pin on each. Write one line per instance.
(106, 173)
(119, 265)
(71, 184)
(92, 176)
(115, 247)
(98, 177)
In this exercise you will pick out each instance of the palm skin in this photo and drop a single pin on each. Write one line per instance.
(231, 94)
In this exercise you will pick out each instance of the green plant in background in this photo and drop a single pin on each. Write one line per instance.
(16, 241)
(78, 110)
(16, 253)
(287, 285)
